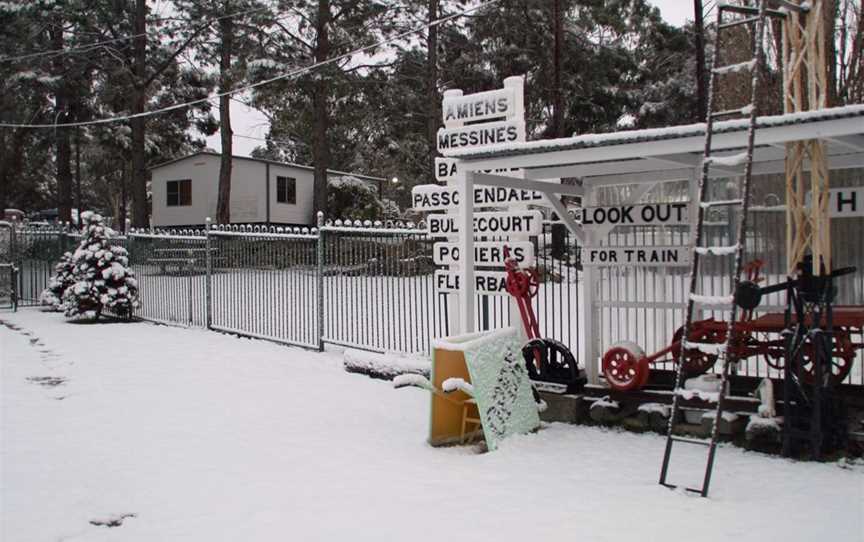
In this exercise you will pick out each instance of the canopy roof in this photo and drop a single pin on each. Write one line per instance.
(672, 153)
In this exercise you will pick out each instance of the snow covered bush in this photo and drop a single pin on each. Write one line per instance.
(350, 197)
(102, 278)
(63, 278)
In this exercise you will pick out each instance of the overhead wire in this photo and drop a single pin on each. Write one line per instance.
(246, 88)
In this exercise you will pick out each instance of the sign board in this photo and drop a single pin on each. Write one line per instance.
(844, 202)
(636, 256)
(653, 214)
(523, 223)
(446, 169)
(480, 135)
(492, 104)
(432, 197)
(485, 253)
(485, 282)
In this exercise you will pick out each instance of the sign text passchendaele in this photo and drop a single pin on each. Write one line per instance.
(432, 197)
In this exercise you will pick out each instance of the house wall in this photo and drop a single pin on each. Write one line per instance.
(249, 192)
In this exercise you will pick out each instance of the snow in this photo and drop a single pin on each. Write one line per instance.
(728, 161)
(717, 250)
(386, 365)
(453, 384)
(735, 68)
(659, 408)
(712, 300)
(209, 437)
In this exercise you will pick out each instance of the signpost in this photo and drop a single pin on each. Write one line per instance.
(654, 214)
(485, 282)
(432, 197)
(523, 223)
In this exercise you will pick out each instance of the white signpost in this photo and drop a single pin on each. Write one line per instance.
(846, 202)
(486, 253)
(648, 256)
(446, 170)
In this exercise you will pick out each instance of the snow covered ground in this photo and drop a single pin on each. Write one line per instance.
(180, 434)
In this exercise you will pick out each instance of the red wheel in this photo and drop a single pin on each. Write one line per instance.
(625, 366)
(842, 358)
(697, 362)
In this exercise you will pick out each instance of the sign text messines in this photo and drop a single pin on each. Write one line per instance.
(636, 256)
(524, 223)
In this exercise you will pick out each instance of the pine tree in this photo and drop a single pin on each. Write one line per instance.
(103, 279)
(63, 278)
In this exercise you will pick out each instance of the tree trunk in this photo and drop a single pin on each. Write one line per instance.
(433, 99)
(223, 207)
(62, 138)
(79, 199)
(701, 87)
(140, 215)
(321, 90)
(557, 96)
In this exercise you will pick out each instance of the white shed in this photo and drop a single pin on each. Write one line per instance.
(185, 191)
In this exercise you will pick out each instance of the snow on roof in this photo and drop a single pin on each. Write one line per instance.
(654, 134)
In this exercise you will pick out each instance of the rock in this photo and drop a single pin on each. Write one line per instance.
(564, 408)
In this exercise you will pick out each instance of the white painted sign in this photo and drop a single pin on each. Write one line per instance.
(446, 169)
(485, 282)
(489, 253)
(492, 104)
(480, 135)
(432, 197)
(491, 224)
(636, 256)
(844, 202)
(654, 214)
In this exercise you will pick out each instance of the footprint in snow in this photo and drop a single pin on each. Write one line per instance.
(114, 520)
(47, 381)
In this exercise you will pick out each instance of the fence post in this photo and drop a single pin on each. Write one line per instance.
(320, 281)
(208, 258)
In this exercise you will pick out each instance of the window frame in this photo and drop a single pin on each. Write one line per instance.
(282, 192)
(178, 188)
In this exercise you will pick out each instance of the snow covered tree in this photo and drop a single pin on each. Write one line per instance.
(63, 278)
(103, 279)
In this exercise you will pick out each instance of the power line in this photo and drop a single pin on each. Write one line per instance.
(95, 44)
(288, 75)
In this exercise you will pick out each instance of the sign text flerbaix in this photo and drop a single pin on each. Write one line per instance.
(524, 223)
(485, 282)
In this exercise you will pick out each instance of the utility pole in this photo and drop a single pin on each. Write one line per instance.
(699, 25)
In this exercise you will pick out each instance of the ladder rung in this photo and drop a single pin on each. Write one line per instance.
(733, 160)
(720, 203)
(712, 300)
(746, 110)
(749, 10)
(737, 23)
(716, 251)
(792, 6)
(735, 68)
(714, 349)
(691, 440)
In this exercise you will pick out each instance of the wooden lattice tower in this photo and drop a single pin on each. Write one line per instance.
(805, 88)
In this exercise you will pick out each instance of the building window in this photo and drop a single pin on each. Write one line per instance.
(286, 190)
(179, 193)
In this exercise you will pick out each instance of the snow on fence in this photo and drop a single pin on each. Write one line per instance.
(360, 284)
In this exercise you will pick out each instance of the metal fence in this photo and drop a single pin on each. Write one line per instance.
(363, 285)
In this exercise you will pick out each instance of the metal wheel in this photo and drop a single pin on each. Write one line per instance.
(842, 358)
(625, 366)
(697, 362)
(550, 361)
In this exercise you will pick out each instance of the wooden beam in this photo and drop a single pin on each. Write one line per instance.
(527, 184)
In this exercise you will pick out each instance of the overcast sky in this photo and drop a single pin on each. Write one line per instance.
(249, 122)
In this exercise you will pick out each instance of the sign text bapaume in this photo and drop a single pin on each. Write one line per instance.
(513, 223)
(432, 197)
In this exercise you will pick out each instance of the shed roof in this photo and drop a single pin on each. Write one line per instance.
(262, 161)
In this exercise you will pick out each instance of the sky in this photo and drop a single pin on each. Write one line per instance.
(251, 123)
